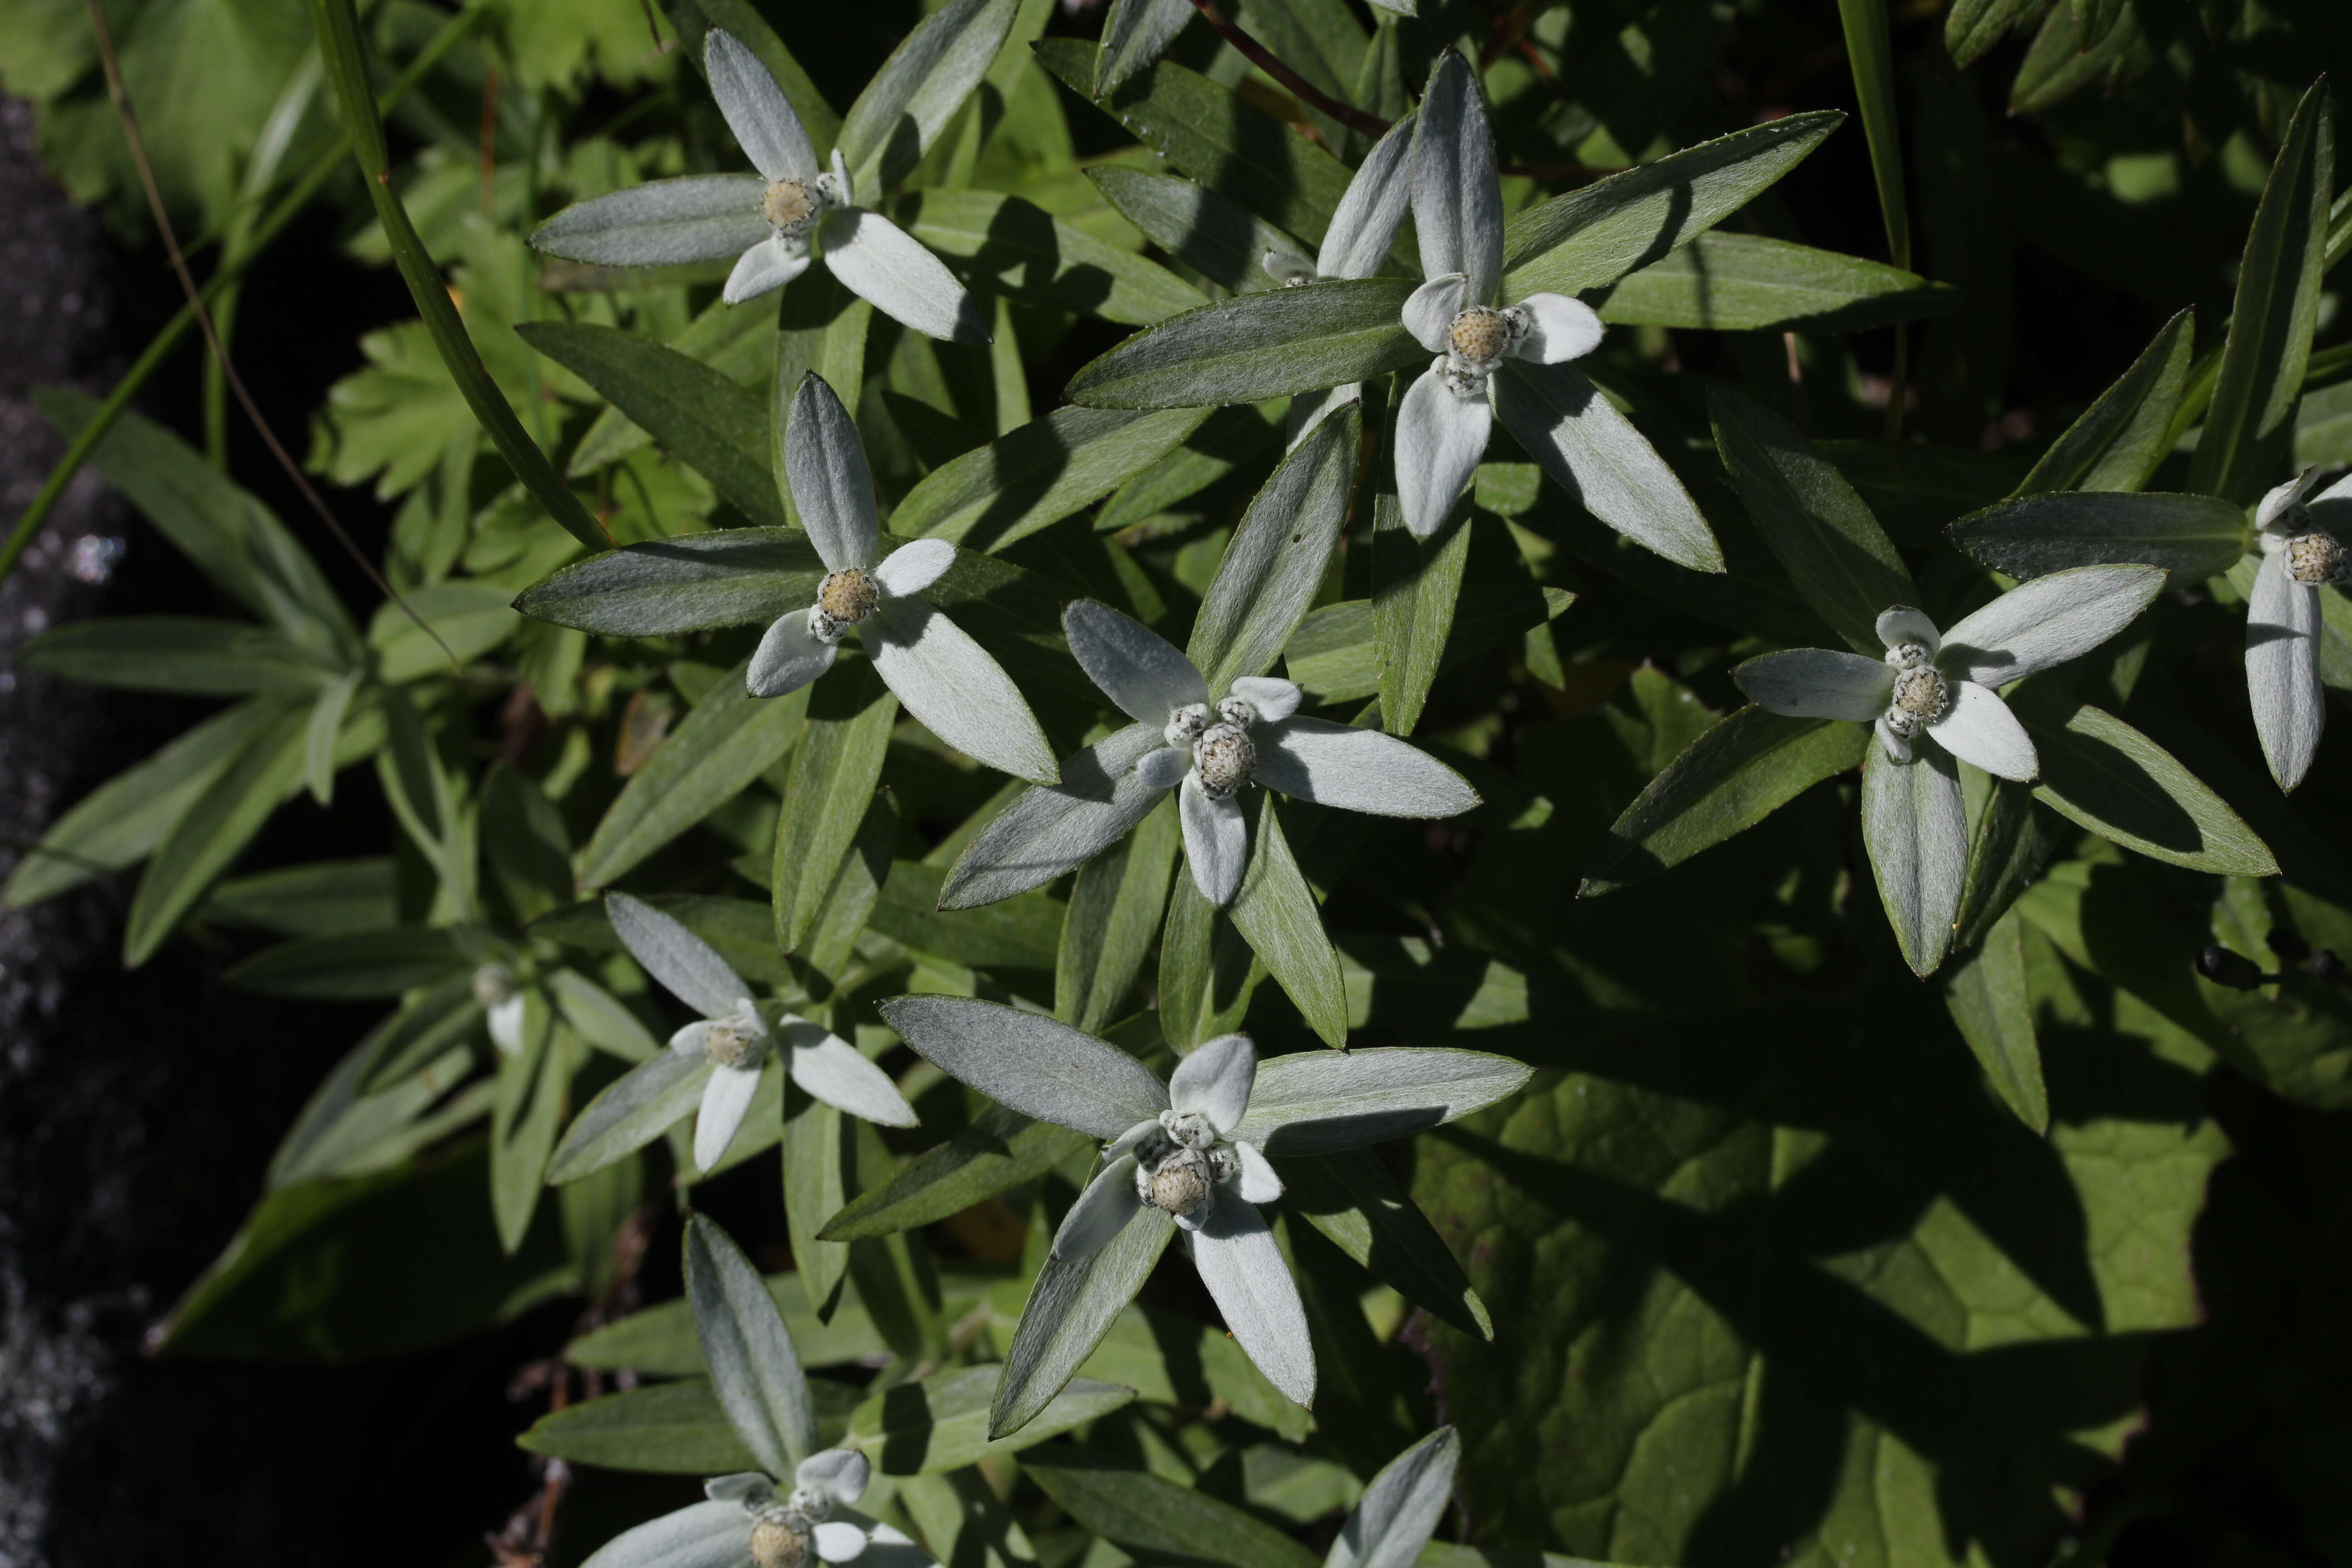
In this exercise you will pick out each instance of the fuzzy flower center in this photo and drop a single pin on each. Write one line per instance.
(1178, 1166)
(1224, 758)
(780, 1538)
(2316, 558)
(731, 1045)
(1476, 344)
(789, 206)
(844, 599)
(493, 984)
(1920, 699)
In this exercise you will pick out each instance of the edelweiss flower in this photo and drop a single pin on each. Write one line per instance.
(945, 678)
(1942, 686)
(2300, 554)
(1251, 735)
(1457, 214)
(501, 1000)
(1189, 1156)
(736, 1035)
(784, 1531)
(771, 220)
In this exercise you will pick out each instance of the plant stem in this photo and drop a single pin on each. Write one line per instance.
(1258, 55)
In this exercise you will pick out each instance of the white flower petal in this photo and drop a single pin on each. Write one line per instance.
(838, 1541)
(1818, 683)
(756, 109)
(1216, 842)
(1902, 623)
(1129, 1142)
(834, 1072)
(1559, 329)
(1165, 768)
(1440, 437)
(888, 267)
(1978, 728)
(769, 265)
(2047, 621)
(687, 966)
(1458, 198)
(1274, 697)
(1135, 667)
(726, 1098)
(1897, 746)
(1258, 1183)
(840, 1474)
(1429, 313)
(1356, 769)
(2283, 669)
(957, 689)
(1246, 1276)
(1215, 1079)
(788, 656)
(1287, 269)
(833, 489)
(1364, 225)
(747, 1487)
(694, 1040)
(1102, 1211)
(913, 568)
(1916, 825)
(506, 1024)
(2284, 495)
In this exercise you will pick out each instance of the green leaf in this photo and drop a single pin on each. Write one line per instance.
(1170, 1359)
(714, 423)
(834, 772)
(1276, 558)
(629, 1113)
(1277, 914)
(2119, 441)
(325, 897)
(1136, 32)
(1971, 27)
(1207, 971)
(999, 1151)
(213, 830)
(2251, 420)
(698, 582)
(1416, 588)
(1731, 778)
(1832, 549)
(660, 1341)
(1993, 1009)
(2192, 537)
(1591, 238)
(1038, 474)
(941, 1422)
(180, 654)
(1229, 439)
(818, 1185)
(1213, 235)
(2099, 771)
(1350, 1196)
(753, 1370)
(856, 888)
(741, 930)
(1257, 346)
(1020, 251)
(1071, 1307)
(422, 1033)
(1335, 652)
(1157, 1519)
(1870, 52)
(728, 740)
(1023, 931)
(598, 1018)
(668, 1428)
(526, 1116)
(1745, 283)
(527, 844)
(469, 617)
(737, 340)
(918, 91)
(1116, 906)
(352, 966)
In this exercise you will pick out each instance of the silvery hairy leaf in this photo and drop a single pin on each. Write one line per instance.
(1317, 1101)
(1276, 558)
(1055, 829)
(715, 1534)
(689, 967)
(2282, 682)
(1250, 1281)
(919, 88)
(1399, 1509)
(1037, 1065)
(662, 222)
(2049, 621)
(1457, 199)
(753, 1370)
(1257, 346)
(1917, 830)
(1070, 1307)
(1602, 461)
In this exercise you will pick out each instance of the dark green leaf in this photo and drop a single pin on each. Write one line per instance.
(179, 654)
(688, 585)
(213, 830)
(941, 1423)
(834, 772)
(1038, 474)
(1214, 236)
(1276, 913)
(1258, 345)
(2194, 537)
(1022, 252)
(999, 1151)
(1993, 1009)
(1158, 1520)
(1023, 931)
(352, 966)
(1276, 558)
(1116, 906)
(1351, 1197)
(2126, 432)
(1745, 283)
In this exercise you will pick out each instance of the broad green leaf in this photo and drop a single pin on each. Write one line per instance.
(668, 1428)
(1832, 549)
(1022, 252)
(2099, 771)
(325, 897)
(1350, 1196)
(1745, 283)
(698, 582)
(1115, 910)
(1276, 913)
(753, 1370)
(352, 966)
(1038, 475)
(1276, 558)
(179, 654)
(1000, 1151)
(2252, 417)
(1869, 54)
(730, 740)
(2194, 537)
(213, 830)
(1071, 1307)
(629, 1113)
(908, 102)
(817, 1184)
(941, 1422)
(470, 618)
(1991, 1006)
(1416, 590)
(2119, 441)
(1258, 345)
(1156, 1519)
(1023, 931)
(526, 1116)
(714, 423)
(1207, 971)
(834, 772)
(1591, 238)
(1213, 235)
(1731, 778)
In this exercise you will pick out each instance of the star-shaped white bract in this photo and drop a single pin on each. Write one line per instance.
(945, 678)
(1250, 733)
(1457, 214)
(772, 221)
(1190, 1153)
(2301, 551)
(1941, 685)
(736, 1035)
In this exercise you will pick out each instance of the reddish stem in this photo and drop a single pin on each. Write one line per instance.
(1300, 88)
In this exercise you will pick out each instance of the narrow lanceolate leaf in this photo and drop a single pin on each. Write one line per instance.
(2252, 417)
(350, 967)
(1315, 1102)
(941, 1423)
(1258, 345)
(1276, 913)
(1401, 1507)
(1136, 32)
(661, 223)
(698, 582)
(633, 1111)
(2190, 536)
(1916, 832)
(2099, 771)
(712, 422)
(1870, 52)
(1022, 252)
(816, 1170)
(2119, 441)
(213, 830)
(1115, 910)
(1038, 474)
(1214, 236)
(1594, 237)
(1158, 1520)
(728, 740)
(1207, 972)
(997, 1153)
(1973, 26)
(1351, 1197)
(526, 1114)
(1745, 283)
(1987, 995)
(1055, 829)
(1278, 556)
(834, 769)
(1416, 590)
(1731, 778)
(1034, 1065)
(187, 656)
(918, 89)
(1600, 460)
(753, 1370)
(1070, 1307)
(1834, 550)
